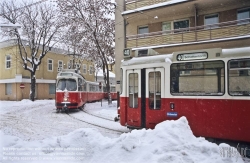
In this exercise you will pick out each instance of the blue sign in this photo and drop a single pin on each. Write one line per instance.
(172, 114)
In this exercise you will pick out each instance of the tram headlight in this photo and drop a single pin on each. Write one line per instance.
(65, 99)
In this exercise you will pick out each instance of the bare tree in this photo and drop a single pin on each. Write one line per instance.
(40, 24)
(93, 23)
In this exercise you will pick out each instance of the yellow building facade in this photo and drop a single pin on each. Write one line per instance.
(12, 73)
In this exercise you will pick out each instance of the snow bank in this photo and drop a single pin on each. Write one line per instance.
(170, 141)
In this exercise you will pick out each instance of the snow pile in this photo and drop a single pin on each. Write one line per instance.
(170, 141)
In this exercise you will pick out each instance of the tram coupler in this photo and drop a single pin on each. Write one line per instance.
(65, 108)
(117, 118)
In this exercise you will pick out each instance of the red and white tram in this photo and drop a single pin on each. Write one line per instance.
(211, 87)
(113, 92)
(73, 91)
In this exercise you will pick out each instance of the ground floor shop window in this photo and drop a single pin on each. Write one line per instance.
(8, 89)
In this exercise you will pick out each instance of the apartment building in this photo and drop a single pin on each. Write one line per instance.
(155, 27)
(13, 76)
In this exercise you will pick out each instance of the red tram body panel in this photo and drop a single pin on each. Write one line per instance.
(210, 87)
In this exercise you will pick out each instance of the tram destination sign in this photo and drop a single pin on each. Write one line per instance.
(192, 56)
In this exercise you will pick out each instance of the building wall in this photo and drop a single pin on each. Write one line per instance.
(227, 11)
(119, 39)
(43, 75)
(156, 24)
(224, 45)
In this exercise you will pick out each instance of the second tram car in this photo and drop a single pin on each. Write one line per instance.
(210, 87)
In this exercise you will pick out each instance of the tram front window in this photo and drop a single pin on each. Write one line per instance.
(66, 84)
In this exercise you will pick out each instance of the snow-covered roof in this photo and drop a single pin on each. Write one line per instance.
(111, 74)
(154, 6)
(12, 42)
(148, 59)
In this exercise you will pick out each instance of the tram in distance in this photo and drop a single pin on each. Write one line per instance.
(73, 91)
(210, 87)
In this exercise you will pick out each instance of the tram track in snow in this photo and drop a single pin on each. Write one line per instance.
(98, 125)
(97, 116)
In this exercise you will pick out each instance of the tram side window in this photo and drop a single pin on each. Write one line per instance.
(91, 88)
(239, 77)
(80, 84)
(204, 78)
(155, 90)
(133, 90)
(85, 87)
(112, 89)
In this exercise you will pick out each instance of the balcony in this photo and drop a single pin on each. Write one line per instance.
(220, 31)
(134, 4)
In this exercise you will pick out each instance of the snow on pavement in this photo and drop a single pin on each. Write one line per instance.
(38, 120)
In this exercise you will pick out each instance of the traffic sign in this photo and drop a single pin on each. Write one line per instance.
(22, 86)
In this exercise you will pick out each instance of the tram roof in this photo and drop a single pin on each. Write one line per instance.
(69, 73)
(223, 53)
(245, 51)
(148, 59)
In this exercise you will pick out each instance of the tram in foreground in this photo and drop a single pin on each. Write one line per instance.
(210, 87)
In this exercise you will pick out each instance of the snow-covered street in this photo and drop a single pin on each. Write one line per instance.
(34, 132)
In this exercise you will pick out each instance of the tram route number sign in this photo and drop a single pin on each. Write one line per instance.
(22, 86)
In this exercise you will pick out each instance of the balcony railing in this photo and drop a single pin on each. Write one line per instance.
(133, 4)
(192, 34)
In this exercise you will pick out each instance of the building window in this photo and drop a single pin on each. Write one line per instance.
(166, 27)
(8, 88)
(60, 66)
(243, 14)
(187, 72)
(84, 68)
(50, 65)
(210, 20)
(70, 64)
(91, 70)
(142, 30)
(52, 88)
(7, 61)
(181, 24)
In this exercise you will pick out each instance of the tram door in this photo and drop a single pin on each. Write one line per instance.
(145, 90)
(134, 98)
(154, 96)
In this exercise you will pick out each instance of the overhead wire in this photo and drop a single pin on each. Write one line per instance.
(20, 8)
